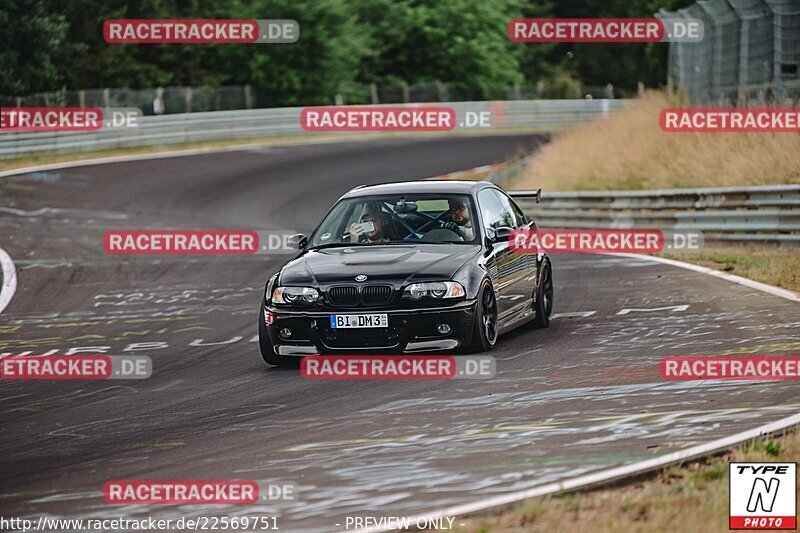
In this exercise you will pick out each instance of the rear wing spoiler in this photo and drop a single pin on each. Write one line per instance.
(536, 194)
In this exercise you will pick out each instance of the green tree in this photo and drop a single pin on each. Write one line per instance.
(344, 45)
(33, 41)
(461, 42)
(623, 65)
(309, 71)
(101, 64)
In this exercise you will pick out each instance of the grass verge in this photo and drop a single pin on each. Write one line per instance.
(692, 497)
(778, 267)
(628, 150)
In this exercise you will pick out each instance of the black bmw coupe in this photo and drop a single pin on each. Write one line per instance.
(413, 267)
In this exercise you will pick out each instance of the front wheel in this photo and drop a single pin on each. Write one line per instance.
(544, 297)
(484, 328)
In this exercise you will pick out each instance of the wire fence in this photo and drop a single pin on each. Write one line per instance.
(749, 56)
(171, 100)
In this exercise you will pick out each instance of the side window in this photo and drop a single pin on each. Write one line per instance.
(521, 220)
(492, 212)
(512, 217)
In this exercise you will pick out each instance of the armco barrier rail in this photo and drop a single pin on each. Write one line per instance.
(761, 214)
(537, 115)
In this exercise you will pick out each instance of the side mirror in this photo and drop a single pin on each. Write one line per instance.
(298, 240)
(501, 234)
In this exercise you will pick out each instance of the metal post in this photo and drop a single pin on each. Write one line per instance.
(777, 55)
(158, 103)
(441, 91)
(248, 97)
(517, 92)
(744, 46)
(373, 94)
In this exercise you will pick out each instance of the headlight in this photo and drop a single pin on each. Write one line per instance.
(295, 295)
(437, 290)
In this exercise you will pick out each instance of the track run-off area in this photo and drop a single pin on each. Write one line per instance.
(580, 397)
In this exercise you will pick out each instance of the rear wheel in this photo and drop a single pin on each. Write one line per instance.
(484, 328)
(268, 350)
(544, 297)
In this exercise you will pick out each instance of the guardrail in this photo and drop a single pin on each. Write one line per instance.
(538, 115)
(760, 214)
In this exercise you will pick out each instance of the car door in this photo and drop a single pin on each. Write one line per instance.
(525, 283)
(506, 268)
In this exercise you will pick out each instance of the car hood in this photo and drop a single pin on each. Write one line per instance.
(389, 263)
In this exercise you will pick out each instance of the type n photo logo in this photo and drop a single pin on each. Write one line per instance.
(763, 496)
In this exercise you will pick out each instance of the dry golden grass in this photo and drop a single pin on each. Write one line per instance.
(692, 498)
(628, 150)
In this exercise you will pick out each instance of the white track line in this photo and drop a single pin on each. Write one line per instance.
(613, 474)
(9, 286)
(763, 287)
(606, 476)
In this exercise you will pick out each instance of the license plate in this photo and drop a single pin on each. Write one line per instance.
(360, 321)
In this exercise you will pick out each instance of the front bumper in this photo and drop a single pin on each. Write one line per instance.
(409, 331)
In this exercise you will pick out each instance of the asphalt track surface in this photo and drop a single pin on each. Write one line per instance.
(582, 396)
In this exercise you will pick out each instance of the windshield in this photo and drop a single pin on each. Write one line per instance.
(401, 218)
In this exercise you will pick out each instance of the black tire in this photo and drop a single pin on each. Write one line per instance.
(484, 327)
(267, 350)
(544, 297)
